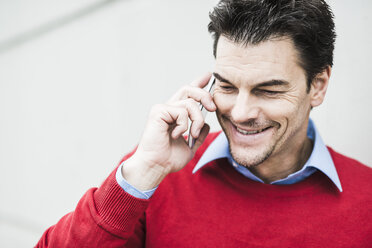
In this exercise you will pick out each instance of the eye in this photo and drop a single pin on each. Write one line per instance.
(226, 87)
(270, 92)
(267, 92)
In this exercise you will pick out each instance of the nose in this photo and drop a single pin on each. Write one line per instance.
(245, 108)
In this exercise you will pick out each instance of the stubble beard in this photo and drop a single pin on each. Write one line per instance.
(243, 159)
(251, 161)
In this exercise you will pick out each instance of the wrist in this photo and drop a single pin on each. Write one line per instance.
(142, 175)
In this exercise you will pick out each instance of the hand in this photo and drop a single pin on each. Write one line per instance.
(162, 148)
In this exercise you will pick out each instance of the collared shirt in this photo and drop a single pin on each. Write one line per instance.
(320, 159)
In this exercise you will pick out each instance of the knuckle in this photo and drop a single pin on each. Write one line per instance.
(207, 95)
(183, 112)
(157, 109)
(190, 102)
(184, 89)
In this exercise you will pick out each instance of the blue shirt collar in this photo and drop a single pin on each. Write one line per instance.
(320, 159)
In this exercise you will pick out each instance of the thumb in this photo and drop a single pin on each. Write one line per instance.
(203, 134)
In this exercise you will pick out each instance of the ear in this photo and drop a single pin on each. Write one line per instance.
(319, 87)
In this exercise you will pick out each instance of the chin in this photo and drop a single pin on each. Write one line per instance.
(248, 156)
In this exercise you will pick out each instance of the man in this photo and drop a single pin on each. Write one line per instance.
(267, 180)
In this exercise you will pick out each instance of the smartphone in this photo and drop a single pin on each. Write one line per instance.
(209, 88)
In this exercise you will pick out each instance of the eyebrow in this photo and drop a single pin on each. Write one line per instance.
(273, 82)
(220, 78)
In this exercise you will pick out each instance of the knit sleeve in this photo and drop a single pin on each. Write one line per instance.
(104, 217)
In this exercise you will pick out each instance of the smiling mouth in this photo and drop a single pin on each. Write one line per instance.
(245, 132)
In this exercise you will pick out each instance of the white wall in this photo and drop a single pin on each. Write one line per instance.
(74, 100)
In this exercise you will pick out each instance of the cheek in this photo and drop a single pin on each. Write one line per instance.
(278, 107)
(224, 102)
(279, 110)
(286, 112)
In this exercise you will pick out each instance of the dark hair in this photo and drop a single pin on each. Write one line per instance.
(309, 23)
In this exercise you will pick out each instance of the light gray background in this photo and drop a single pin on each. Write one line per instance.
(78, 77)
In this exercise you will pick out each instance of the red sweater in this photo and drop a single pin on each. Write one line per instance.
(219, 207)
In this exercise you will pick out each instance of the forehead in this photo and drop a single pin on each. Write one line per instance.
(267, 60)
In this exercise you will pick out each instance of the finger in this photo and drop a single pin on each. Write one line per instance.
(202, 81)
(200, 95)
(203, 134)
(194, 114)
(180, 116)
(172, 118)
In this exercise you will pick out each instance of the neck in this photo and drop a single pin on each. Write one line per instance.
(272, 171)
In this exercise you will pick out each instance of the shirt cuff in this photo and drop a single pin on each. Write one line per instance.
(130, 189)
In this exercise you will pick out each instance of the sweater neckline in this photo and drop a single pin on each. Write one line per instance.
(315, 183)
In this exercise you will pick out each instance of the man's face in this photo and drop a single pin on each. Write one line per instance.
(262, 103)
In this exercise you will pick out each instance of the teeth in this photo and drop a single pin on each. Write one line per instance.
(248, 132)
